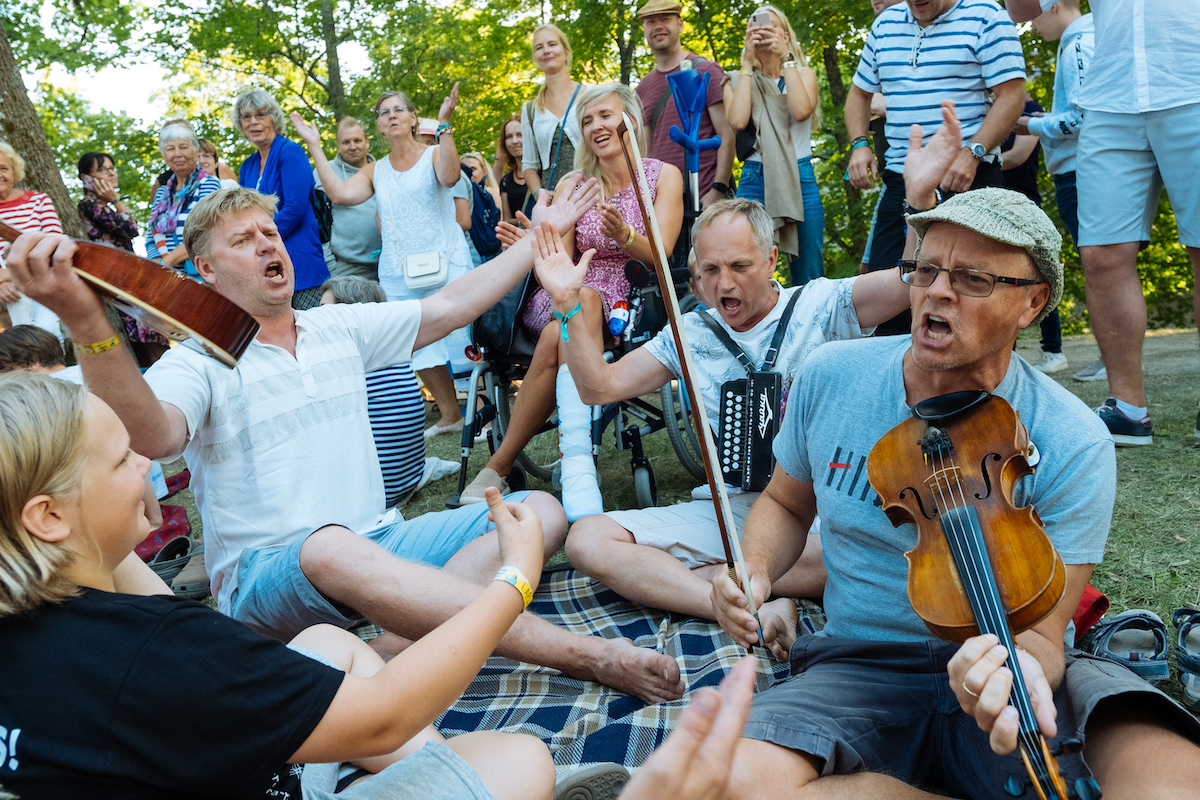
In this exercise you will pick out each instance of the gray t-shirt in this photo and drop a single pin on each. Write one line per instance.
(848, 395)
(355, 237)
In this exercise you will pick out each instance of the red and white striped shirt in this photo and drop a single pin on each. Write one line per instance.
(31, 211)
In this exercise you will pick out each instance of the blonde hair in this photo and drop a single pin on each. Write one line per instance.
(793, 48)
(18, 163)
(202, 221)
(489, 180)
(42, 451)
(587, 163)
(539, 99)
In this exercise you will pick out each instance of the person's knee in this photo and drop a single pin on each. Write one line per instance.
(496, 757)
(590, 541)
(554, 519)
(763, 769)
(323, 554)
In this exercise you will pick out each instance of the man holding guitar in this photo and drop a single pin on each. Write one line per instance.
(876, 707)
(280, 448)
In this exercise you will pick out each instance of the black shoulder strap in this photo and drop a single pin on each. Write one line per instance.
(662, 101)
(776, 340)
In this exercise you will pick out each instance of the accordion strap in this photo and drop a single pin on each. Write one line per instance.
(776, 340)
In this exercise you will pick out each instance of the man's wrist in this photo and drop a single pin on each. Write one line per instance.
(565, 301)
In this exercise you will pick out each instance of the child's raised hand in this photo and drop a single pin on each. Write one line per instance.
(520, 533)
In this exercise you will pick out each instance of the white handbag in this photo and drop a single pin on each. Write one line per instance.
(426, 270)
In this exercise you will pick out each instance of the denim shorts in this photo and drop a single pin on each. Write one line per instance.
(888, 707)
(435, 772)
(275, 598)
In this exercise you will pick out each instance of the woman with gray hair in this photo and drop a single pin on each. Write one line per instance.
(25, 211)
(281, 168)
(174, 200)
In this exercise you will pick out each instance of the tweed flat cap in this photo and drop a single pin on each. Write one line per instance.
(660, 7)
(1008, 217)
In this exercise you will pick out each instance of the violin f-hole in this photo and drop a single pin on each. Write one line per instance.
(926, 513)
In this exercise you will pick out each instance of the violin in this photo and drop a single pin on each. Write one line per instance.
(981, 564)
(162, 299)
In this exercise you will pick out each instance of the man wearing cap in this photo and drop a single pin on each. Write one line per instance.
(661, 24)
(876, 706)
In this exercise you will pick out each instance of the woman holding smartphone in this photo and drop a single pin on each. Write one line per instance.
(776, 92)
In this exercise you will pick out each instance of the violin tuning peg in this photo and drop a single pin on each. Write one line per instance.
(1016, 785)
(1066, 747)
(1087, 789)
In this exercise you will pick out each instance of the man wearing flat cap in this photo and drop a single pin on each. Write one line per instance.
(876, 706)
(662, 24)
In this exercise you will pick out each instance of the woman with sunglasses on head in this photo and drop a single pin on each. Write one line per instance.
(413, 186)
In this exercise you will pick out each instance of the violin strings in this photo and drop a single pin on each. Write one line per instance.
(968, 546)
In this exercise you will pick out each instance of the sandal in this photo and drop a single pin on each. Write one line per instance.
(1187, 654)
(1136, 639)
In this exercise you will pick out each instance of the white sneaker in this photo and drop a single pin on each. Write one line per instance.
(1095, 371)
(437, 430)
(473, 491)
(1051, 362)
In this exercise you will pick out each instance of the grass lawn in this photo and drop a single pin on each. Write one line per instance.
(1153, 556)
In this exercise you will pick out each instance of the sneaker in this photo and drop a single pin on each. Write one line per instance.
(473, 493)
(1051, 362)
(1095, 371)
(1124, 431)
(437, 430)
(597, 782)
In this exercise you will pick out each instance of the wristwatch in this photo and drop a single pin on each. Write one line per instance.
(977, 150)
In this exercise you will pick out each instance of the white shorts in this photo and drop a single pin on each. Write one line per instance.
(1124, 160)
(687, 531)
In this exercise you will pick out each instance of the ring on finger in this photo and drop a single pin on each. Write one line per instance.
(967, 689)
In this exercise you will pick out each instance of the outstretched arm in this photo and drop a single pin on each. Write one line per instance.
(924, 167)
(41, 264)
(466, 298)
(357, 189)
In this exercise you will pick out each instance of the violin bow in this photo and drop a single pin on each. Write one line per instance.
(720, 498)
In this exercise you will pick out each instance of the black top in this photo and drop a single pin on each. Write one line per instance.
(516, 193)
(1023, 179)
(112, 695)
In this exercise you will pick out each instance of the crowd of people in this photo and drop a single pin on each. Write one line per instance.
(365, 274)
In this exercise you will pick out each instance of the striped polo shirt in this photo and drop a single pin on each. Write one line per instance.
(29, 211)
(972, 46)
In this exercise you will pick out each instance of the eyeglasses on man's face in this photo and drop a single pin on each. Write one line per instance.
(967, 282)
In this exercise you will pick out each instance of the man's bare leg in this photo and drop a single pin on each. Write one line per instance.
(1117, 310)
(765, 771)
(478, 561)
(411, 599)
(1133, 756)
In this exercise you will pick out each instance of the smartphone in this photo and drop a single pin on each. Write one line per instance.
(760, 19)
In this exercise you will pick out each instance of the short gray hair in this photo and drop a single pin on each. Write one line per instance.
(17, 162)
(202, 221)
(259, 100)
(354, 289)
(753, 211)
(176, 131)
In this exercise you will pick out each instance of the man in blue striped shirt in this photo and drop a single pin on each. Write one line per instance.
(917, 55)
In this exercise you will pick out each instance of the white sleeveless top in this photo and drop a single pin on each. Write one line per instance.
(416, 215)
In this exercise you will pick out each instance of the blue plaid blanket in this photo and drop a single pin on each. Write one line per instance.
(583, 722)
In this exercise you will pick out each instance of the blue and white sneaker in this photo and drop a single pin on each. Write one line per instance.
(1125, 431)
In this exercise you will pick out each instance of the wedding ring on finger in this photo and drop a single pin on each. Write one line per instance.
(967, 689)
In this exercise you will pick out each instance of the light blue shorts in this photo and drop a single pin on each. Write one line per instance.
(275, 598)
(1124, 160)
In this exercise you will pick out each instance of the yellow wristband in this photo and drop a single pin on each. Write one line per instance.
(514, 577)
(99, 347)
(632, 236)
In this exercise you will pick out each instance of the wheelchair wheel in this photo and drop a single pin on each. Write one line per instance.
(645, 488)
(541, 454)
(680, 429)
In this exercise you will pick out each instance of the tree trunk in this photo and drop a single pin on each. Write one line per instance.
(336, 90)
(20, 127)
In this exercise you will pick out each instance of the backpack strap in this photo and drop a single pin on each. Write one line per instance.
(776, 340)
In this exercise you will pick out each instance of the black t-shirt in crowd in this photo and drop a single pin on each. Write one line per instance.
(112, 695)
(1023, 179)
(516, 193)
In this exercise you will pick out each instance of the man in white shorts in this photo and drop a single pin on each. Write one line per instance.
(666, 557)
(1141, 132)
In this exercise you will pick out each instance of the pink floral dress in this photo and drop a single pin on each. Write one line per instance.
(606, 273)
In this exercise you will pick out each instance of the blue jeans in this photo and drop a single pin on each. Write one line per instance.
(810, 263)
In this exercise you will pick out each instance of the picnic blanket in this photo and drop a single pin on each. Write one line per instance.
(583, 722)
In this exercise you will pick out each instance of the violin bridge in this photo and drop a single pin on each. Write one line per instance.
(943, 480)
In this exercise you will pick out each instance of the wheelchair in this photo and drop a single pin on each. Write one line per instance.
(503, 349)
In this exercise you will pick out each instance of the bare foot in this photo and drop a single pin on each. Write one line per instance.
(779, 618)
(649, 675)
